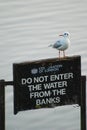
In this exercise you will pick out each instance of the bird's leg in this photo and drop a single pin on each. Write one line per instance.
(64, 53)
(59, 54)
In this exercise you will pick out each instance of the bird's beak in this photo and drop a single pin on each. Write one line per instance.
(61, 35)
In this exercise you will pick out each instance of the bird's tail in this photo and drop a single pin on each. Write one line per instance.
(51, 45)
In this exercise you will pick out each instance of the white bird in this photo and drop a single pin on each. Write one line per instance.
(63, 43)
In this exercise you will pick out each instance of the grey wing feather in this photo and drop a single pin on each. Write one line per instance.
(57, 44)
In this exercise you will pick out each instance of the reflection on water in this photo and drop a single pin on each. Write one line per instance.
(26, 30)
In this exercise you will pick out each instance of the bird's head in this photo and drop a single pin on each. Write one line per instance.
(65, 34)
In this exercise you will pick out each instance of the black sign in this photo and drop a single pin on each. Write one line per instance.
(47, 83)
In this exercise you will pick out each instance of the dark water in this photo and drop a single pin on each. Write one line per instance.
(26, 29)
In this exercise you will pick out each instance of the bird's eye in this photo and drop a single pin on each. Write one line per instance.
(66, 34)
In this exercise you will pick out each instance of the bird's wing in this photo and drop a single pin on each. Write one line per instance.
(57, 44)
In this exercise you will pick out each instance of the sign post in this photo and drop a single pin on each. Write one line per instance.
(83, 103)
(47, 83)
(2, 105)
(3, 83)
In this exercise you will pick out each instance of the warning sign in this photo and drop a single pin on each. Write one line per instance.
(46, 83)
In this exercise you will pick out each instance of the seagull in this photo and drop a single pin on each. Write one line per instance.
(62, 43)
